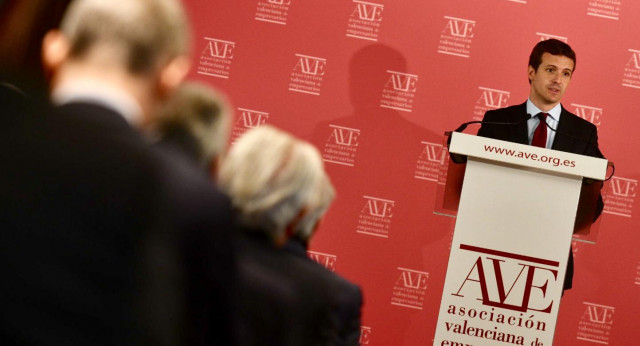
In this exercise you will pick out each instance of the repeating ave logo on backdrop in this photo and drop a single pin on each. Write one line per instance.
(375, 217)
(247, 119)
(430, 161)
(621, 196)
(216, 57)
(596, 323)
(364, 21)
(544, 37)
(631, 76)
(307, 74)
(273, 11)
(220, 51)
(588, 113)
(457, 36)
(490, 99)
(365, 335)
(410, 288)
(341, 146)
(327, 260)
(609, 9)
(400, 91)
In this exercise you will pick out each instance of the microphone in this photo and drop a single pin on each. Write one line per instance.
(610, 164)
(566, 134)
(464, 125)
(461, 159)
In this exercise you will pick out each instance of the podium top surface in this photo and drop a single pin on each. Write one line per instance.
(553, 161)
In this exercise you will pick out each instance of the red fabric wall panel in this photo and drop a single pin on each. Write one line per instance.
(374, 84)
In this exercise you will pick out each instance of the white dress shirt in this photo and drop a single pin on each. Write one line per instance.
(552, 120)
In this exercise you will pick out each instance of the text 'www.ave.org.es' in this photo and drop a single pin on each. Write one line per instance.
(529, 156)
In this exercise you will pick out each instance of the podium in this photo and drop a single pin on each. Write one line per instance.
(511, 242)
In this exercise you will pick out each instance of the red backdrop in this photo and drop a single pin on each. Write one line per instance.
(374, 84)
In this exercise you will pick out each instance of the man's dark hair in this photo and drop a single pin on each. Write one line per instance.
(551, 46)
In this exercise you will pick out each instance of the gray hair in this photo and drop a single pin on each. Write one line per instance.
(271, 177)
(316, 208)
(139, 33)
(201, 113)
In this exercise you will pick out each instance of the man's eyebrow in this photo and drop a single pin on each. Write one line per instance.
(552, 65)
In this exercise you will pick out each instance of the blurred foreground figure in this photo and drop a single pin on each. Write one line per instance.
(279, 191)
(195, 123)
(104, 240)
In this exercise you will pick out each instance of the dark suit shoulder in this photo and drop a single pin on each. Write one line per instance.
(313, 268)
(577, 121)
(576, 135)
(506, 113)
(340, 296)
(511, 124)
(81, 203)
(330, 278)
(309, 303)
(90, 199)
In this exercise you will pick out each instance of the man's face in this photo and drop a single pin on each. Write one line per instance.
(550, 81)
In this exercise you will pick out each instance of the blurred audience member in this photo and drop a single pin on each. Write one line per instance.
(279, 191)
(195, 122)
(105, 240)
(346, 301)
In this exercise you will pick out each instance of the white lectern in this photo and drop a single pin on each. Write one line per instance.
(511, 242)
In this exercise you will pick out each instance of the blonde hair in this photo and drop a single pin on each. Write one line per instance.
(271, 177)
(142, 34)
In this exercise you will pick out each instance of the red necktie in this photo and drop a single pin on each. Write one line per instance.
(540, 135)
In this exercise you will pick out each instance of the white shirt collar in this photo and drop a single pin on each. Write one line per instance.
(553, 112)
(89, 90)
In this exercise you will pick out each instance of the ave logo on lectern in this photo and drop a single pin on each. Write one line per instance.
(509, 281)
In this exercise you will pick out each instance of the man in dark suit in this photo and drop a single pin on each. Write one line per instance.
(280, 191)
(105, 240)
(343, 297)
(551, 66)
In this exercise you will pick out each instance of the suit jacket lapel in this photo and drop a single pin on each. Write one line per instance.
(519, 133)
(562, 142)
